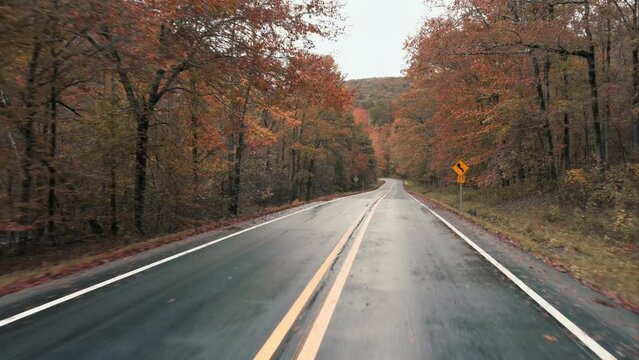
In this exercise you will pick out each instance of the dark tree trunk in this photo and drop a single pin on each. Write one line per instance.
(194, 132)
(236, 173)
(26, 129)
(51, 198)
(594, 105)
(606, 118)
(234, 186)
(566, 142)
(292, 175)
(635, 98)
(542, 87)
(295, 160)
(113, 201)
(594, 90)
(622, 149)
(566, 138)
(587, 144)
(635, 76)
(309, 181)
(141, 153)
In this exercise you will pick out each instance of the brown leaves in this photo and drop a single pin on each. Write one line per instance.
(550, 338)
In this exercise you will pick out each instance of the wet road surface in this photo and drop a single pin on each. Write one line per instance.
(414, 290)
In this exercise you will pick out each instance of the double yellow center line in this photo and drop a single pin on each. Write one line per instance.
(311, 344)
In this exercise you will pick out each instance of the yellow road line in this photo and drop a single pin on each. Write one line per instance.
(313, 341)
(273, 342)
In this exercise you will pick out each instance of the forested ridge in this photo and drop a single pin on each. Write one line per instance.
(124, 119)
(378, 96)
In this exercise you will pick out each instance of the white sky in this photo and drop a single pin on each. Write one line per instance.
(375, 32)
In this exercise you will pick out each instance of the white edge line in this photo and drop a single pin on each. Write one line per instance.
(574, 329)
(104, 283)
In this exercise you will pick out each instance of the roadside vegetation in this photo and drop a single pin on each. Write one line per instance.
(541, 99)
(19, 272)
(125, 120)
(585, 227)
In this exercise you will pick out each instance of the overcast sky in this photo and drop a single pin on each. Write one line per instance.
(373, 42)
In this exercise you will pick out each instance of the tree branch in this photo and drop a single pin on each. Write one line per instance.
(69, 108)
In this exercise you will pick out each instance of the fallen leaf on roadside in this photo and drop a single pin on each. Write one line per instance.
(550, 338)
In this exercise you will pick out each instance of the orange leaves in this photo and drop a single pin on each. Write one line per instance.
(317, 79)
(257, 135)
(286, 116)
(360, 116)
(469, 84)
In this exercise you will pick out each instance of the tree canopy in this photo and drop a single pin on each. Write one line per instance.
(127, 118)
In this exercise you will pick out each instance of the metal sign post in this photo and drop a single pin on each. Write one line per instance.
(461, 197)
(461, 169)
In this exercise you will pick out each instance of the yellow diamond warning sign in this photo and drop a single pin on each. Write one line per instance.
(460, 168)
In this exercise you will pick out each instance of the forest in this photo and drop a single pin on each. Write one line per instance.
(378, 96)
(127, 119)
(541, 99)
(533, 89)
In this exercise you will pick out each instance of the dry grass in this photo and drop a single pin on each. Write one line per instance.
(589, 244)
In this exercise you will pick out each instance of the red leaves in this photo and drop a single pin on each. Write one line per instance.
(317, 79)
(361, 116)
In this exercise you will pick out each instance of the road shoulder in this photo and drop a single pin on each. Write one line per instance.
(57, 287)
(614, 327)
(51, 273)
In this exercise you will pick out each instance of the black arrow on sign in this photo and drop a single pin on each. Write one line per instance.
(460, 167)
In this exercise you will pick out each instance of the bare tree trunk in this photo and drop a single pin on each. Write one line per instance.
(295, 162)
(543, 97)
(234, 186)
(587, 144)
(113, 201)
(566, 137)
(194, 131)
(635, 76)
(141, 153)
(622, 149)
(237, 171)
(594, 104)
(635, 98)
(309, 181)
(51, 198)
(594, 90)
(566, 142)
(292, 174)
(26, 129)
(606, 118)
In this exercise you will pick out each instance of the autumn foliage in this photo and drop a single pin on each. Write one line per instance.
(127, 118)
(521, 90)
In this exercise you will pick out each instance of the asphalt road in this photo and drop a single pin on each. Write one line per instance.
(414, 290)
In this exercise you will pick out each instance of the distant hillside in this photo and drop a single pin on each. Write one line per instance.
(378, 96)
